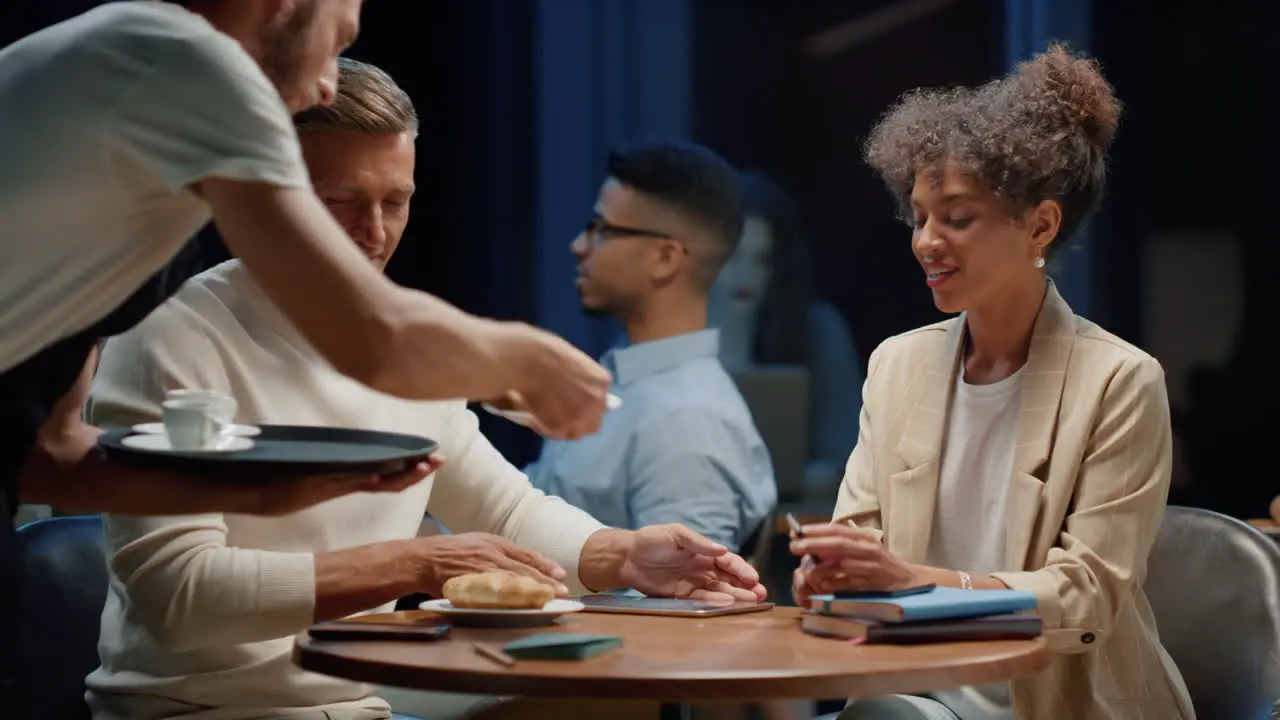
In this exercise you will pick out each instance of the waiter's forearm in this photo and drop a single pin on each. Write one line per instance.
(68, 471)
(464, 359)
(396, 340)
(65, 468)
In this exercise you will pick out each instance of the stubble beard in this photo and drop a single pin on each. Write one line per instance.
(284, 46)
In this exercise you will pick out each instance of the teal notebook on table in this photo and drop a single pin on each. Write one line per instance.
(561, 646)
(941, 603)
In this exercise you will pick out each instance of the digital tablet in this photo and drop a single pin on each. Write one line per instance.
(632, 605)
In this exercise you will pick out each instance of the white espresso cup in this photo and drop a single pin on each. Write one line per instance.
(222, 407)
(193, 423)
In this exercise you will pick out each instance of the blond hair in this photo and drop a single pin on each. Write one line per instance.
(368, 101)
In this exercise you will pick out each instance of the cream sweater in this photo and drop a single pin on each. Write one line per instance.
(202, 610)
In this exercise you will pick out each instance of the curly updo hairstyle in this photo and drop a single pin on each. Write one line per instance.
(1040, 133)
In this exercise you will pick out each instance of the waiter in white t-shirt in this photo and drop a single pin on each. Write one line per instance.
(126, 129)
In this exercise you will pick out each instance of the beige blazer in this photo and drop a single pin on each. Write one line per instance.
(1090, 480)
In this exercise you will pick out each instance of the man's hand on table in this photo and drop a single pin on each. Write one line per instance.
(445, 556)
(663, 560)
(668, 561)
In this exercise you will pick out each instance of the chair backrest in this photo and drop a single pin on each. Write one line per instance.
(759, 544)
(778, 397)
(1214, 586)
(64, 576)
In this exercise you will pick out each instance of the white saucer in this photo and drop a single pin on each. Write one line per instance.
(160, 443)
(520, 417)
(478, 617)
(157, 428)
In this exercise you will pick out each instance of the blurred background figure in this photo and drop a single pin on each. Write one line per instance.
(776, 333)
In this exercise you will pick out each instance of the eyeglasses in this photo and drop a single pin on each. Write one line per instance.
(599, 230)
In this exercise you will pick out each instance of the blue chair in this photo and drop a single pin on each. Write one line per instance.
(64, 576)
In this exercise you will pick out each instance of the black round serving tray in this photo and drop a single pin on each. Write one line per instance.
(288, 450)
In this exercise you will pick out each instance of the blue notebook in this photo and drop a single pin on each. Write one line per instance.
(941, 603)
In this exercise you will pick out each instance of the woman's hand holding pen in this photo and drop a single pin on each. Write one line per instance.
(799, 578)
(838, 555)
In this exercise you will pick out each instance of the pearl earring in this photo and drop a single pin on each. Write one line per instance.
(1039, 263)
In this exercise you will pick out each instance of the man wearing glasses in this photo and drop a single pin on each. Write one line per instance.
(682, 447)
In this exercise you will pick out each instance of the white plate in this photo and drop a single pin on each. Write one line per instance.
(520, 417)
(157, 428)
(478, 617)
(160, 443)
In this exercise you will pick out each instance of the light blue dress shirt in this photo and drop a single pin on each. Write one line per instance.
(682, 447)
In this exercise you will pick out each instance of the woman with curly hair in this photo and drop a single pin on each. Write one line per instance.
(1017, 445)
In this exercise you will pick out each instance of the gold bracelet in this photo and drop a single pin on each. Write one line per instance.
(966, 582)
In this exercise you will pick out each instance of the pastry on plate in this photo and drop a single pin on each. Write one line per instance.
(497, 590)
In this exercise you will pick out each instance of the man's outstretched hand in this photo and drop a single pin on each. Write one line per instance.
(668, 561)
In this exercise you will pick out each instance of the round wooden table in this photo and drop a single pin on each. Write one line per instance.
(757, 656)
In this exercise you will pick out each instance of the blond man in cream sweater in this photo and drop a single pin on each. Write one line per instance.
(202, 610)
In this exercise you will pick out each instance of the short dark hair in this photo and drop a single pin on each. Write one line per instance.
(1040, 133)
(692, 180)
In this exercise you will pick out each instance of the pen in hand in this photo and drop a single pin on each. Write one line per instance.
(799, 533)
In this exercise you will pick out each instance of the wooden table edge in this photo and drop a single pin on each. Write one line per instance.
(318, 656)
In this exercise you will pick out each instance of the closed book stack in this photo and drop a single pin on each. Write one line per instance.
(939, 615)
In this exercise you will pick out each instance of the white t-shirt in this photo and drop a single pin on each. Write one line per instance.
(969, 516)
(107, 119)
(973, 482)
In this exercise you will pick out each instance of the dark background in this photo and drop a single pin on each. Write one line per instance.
(1196, 155)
